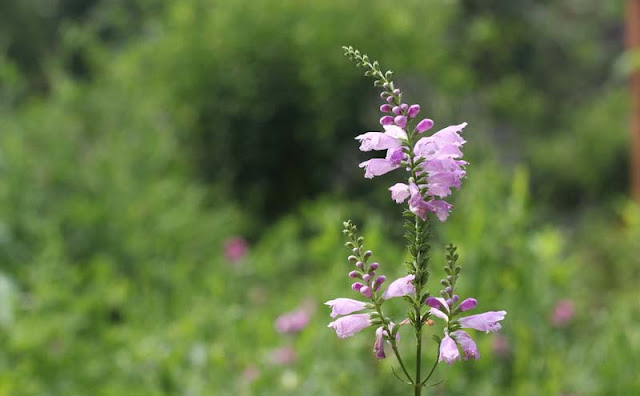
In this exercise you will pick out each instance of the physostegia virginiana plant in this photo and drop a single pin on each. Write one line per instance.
(433, 166)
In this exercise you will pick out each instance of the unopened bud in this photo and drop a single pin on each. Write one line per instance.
(360, 264)
(404, 107)
(366, 278)
(400, 121)
(396, 91)
(448, 289)
(355, 250)
(396, 110)
(385, 108)
(367, 254)
(374, 266)
(354, 274)
(386, 120)
(352, 258)
(357, 286)
(424, 125)
(414, 110)
(390, 99)
(365, 291)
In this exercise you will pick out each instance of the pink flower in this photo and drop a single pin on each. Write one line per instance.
(486, 322)
(399, 192)
(501, 346)
(293, 322)
(467, 344)
(563, 312)
(283, 355)
(391, 140)
(469, 303)
(420, 207)
(448, 350)
(250, 374)
(347, 326)
(424, 125)
(400, 287)
(235, 249)
(378, 346)
(345, 306)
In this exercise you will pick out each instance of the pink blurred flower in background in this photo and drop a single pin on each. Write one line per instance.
(283, 355)
(294, 321)
(250, 374)
(235, 249)
(501, 346)
(563, 312)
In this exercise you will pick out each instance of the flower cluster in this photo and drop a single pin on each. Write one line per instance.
(368, 286)
(434, 161)
(447, 310)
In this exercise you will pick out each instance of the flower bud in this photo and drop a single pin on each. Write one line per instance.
(381, 279)
(414, 110)
(469, 303)
(450, 302)
(383, 94)
(386, 120)
(448, 289)
(355, 250)
(367, 254)
(424, 125)
(396, 91)
(365, 291)
(374, 266)
(354, 274)
(352, 258)
(400, 121)
(404, 107)
(360, 264)
(385, 108)
(390, 99)
(385, 85)
(396, 110)
(366, 278)
(456, 298)
(357, 286)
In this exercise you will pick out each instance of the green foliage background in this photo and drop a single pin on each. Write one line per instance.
(137, 136)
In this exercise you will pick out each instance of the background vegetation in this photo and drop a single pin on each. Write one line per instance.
(138, 136)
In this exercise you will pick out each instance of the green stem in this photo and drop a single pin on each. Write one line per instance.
(435, 364)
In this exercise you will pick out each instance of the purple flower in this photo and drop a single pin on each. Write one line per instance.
(345, 306)
(347, 326)
(390, 139)
(420, 207)
(469, 303)
(399, 192)
(486, 322)
(448, 350)
(377, 167)
(378, 346)
(467, 344)
(293, 322)
(400, 287)
(235, 249)
(424, 125)
(414, 110)
(563, 312)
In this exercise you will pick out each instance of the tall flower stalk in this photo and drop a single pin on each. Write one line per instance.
(434, 166)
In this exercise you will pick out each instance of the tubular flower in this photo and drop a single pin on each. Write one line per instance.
(378, 346)
(347, 326)
(391, 140)
(345, 306)
(400, 287)
(448, 350)
(487, 321)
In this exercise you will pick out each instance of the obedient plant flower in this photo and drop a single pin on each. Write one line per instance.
(347, 326)
(378, 346)
(444, 309)
(345, 306)
(448, 350)
(400, 287)
(235, 249)
(434, 167)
